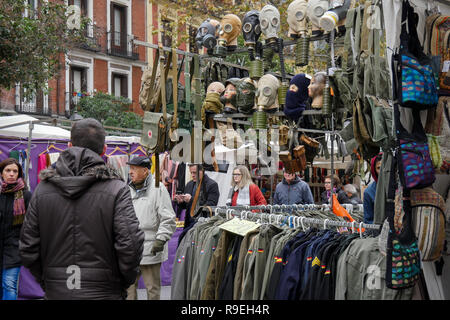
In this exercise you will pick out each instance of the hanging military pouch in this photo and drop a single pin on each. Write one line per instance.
(157, 127)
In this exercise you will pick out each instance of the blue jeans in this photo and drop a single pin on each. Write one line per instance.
(10, 281)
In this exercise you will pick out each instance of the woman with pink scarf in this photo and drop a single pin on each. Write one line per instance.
(14, 199)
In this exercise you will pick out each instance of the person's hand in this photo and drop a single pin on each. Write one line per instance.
(187, 197)
(178, 198)
(158, 246)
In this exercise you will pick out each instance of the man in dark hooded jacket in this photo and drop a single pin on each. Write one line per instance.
(81, 237)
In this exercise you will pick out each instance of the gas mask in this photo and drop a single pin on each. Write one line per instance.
(267, 92)
(230, 27)
(269, 18)
(296, 18)
(298, 30)
(206, 34)
(245, 95)
(315, 10)
(251, 28)
(336, 14)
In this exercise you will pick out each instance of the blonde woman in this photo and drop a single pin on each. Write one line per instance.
(243, 190)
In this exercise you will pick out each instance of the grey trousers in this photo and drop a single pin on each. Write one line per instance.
(151, 273)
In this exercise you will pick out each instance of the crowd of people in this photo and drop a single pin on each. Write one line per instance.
(85, 233)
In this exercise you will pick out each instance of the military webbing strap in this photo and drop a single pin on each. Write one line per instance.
(195, 200)
(163, 101)
(197, 114)
(175, 88)
(197, 89)
(357, 45)
(213, 139)
(155, 66)
(164, 72)
(187, 85)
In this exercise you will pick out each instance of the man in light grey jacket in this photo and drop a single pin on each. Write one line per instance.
(156, 217)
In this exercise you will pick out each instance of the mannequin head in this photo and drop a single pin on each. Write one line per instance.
(246, 95)
(216, 87)
(315, 89)
(229, 95)
(296, 96)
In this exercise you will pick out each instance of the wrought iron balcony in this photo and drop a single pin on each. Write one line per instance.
(122, 45)
(91, 41)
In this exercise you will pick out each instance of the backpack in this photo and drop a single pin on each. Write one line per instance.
(438, 36)
(428, 220)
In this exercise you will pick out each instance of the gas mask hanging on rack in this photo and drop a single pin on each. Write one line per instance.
(251, 30)
(207, 34)
(296, 18)
(297, 22)
(269, 18)
(315, 10)
(230, 27)
(335, 15)
(267, 93)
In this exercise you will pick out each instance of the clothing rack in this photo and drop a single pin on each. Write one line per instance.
(290, 207)
(244, 212)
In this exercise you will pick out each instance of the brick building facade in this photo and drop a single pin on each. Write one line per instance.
(107, 62)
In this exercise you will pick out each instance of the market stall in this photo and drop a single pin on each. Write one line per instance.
(347, 103)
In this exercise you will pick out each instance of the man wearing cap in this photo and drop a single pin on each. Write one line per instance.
(156, 218)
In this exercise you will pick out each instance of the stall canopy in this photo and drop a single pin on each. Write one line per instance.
(18, 126)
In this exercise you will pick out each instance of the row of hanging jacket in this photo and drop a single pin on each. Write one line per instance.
(288, 259)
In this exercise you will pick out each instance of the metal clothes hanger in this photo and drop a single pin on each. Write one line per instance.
(52, 146)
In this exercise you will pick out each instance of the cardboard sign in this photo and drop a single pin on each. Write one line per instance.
(238, 226)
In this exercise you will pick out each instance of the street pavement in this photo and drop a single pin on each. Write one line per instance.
(165, 293)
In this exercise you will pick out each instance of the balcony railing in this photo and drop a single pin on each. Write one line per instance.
(122, 45)
(91, 41)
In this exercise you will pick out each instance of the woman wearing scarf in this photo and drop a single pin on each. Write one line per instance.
(243, 191)
(369, 193)
(337, 188)
(14, 199)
